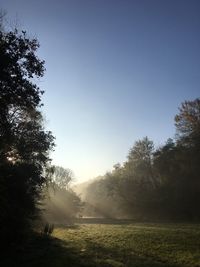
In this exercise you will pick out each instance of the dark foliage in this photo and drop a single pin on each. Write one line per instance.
(48, 229)
(24, 143)
(162, 184)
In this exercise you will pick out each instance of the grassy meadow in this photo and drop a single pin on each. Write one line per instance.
(112, 245)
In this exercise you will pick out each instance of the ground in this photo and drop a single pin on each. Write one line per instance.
(113, 245)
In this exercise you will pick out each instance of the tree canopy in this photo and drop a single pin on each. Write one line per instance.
(187, 122)
(24, 142)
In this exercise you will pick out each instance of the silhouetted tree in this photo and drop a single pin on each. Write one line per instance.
(24, 143)
(140, 160)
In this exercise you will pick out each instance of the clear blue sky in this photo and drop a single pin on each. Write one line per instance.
(116, 71)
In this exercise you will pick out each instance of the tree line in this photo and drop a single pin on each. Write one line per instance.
(154, 183)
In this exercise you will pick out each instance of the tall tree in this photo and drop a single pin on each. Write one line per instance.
(24, 143)
(140, 160)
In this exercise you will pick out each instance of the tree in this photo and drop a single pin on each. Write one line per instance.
(60, 203)
(140, 160)
(187, 122)
(61, 176)
(24, 143)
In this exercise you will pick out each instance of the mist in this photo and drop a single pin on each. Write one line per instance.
(154, 183)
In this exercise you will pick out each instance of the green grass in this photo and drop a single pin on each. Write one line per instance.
(115, 245)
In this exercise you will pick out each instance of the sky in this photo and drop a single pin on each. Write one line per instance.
(116, 71)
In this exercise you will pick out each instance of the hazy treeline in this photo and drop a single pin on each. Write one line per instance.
(162, 183)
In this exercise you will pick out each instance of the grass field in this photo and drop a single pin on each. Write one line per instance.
(113, 245)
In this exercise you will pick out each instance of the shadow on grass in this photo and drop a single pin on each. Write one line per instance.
(44, 251)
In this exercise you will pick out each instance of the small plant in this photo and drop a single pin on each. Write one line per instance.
(48, 228)
(51, 228)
